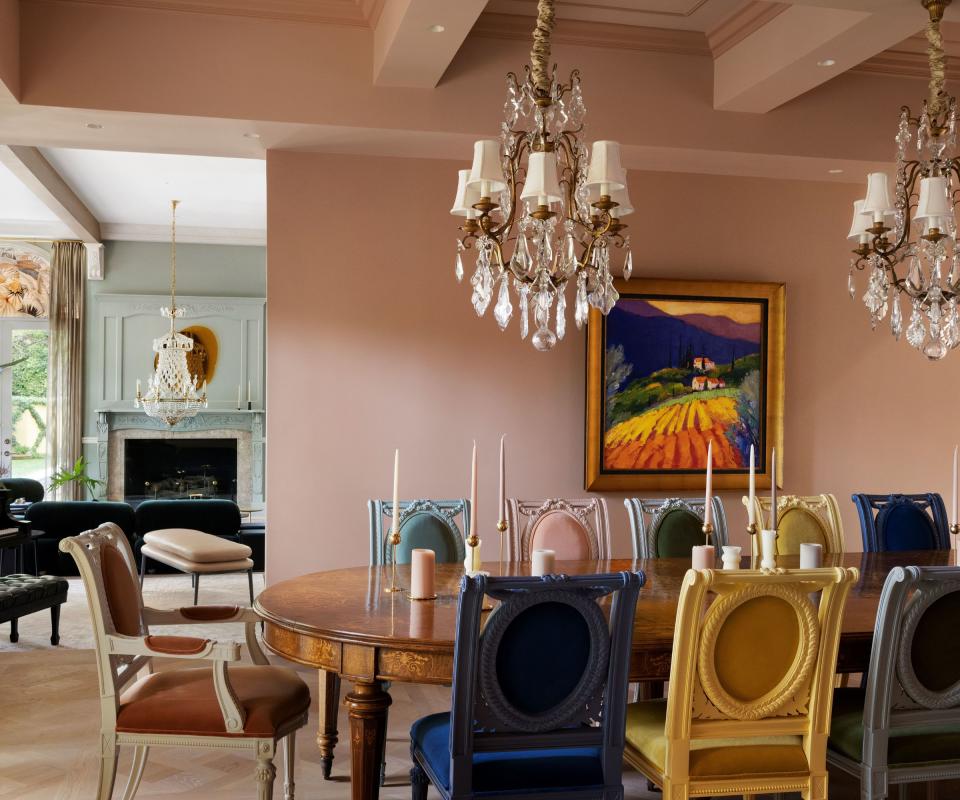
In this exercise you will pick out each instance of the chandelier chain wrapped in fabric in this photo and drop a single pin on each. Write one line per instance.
(172, 392)
(907, 243)
(537, 191)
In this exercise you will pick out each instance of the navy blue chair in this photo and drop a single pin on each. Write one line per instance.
(539, 697)
(890, 522)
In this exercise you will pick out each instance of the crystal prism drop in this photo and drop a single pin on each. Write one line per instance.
(896, 320)
(521, 255)
(851, 285)
(504, 308)
(628, 266)
(561, 313)
(458, 269)
(915, 330)
(581, 305)
(524, 293)
(544, 339)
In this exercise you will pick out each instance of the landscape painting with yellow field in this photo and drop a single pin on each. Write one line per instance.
(678, 374)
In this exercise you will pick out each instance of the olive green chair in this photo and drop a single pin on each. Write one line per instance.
(904, 725)
(814, 519)
(669, 528)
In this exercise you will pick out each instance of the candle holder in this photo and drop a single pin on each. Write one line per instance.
(502, 528)
(707, 531)
(752, 528)
(394, 541)
(473, 542)
(411, 597)
(955, 529)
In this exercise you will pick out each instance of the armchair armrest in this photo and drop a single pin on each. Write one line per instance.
(195, 615)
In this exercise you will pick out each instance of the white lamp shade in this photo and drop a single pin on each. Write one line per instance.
(878, 199)
(486, 174)
(622, 199)
(605, 170)
(466, 197)
(934, 201)
(542, 179)
(862, 222)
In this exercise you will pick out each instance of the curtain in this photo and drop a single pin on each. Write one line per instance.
(65, 401)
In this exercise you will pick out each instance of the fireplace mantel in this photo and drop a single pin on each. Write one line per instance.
(114, 426)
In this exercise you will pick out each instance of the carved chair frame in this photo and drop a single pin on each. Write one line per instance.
(869, 507)
(699, 707)
(446, 511)
(822, 507)
(523, 516)
(895, 697)
(646, 514)
(593, 715)
(121, 658)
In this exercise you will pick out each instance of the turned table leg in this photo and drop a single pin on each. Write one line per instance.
(368, 704)
(329, 705)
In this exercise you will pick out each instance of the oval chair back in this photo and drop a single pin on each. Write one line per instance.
(431, 524)
(669, 528)
(812, 519)
(577, 530)
(892, 522)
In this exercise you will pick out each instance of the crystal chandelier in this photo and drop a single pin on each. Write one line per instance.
(172, 392)
(538, 191)
(907, 244)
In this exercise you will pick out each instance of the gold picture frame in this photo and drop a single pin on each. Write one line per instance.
(677, 364)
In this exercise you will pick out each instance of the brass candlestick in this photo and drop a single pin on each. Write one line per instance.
(473, 542)
(752, 528)
(394, 541)
(955, 529)
(502, 528)
(707, 531)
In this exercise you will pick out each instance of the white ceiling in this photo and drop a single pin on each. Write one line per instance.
(22, 214)
(223, 200)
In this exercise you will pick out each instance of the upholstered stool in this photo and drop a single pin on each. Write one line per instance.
(23, 594)
(196, 553)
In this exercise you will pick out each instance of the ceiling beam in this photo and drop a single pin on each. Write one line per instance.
(36, 173)
(10, 49)
(408, 52)
(776, 57)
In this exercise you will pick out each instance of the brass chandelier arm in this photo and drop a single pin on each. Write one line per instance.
(540, 52)
(173, 257)
(935, 54)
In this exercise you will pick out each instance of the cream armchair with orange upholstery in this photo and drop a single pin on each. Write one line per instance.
(814, 519)
(578, 530)
(751, 680)
(248, 708)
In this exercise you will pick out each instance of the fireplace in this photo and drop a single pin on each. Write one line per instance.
(179, 468)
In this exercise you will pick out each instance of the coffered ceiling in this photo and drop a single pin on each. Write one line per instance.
(688, 15)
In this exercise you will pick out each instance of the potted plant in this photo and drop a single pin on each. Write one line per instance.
(75, 474)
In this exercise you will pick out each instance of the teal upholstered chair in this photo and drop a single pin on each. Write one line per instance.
(430, 524)
(669, 528)
(904, 726)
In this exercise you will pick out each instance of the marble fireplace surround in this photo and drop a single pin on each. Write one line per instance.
(115, 427)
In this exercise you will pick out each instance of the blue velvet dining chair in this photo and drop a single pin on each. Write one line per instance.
(670, 527)
(539, 695)
(430, 524)
(902, 522)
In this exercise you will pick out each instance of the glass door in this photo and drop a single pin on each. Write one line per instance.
(23, 397)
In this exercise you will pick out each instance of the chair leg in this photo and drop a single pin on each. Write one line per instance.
(36, 560)
(250, 584)
(108, 767)
(140, 754)
(143, 569)
(418, 781)
(14, 630)
(55, 624)
(329, 705)
(289, 754)
(266, 773)
(196, 587)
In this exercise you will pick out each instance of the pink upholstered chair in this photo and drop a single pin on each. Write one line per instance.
(578, 530)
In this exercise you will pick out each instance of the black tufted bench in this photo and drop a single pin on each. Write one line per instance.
(24, 594)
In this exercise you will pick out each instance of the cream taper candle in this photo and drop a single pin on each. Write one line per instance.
(773, 489)
(953, 501)
(396, 491)
(708, 495)
(752, 499)
(503, 482)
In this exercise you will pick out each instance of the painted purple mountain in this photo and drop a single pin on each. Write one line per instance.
(718, 326)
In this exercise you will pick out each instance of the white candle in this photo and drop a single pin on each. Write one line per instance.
(239, 394)
(954, 459)
(707, 512)
(543, 562)
(422, 568)
(396, 490)
(953, 502)
(768, 549)
(503, 482)
(731, 556)
(249, 395)
(703, 556)
(773, 489)
(811, 555)
(751, 511)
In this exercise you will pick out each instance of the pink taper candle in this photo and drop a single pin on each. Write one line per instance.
(953, 501)
(471, 561)
(751, 511)
(707, 510)
(503, 483)
(396, 490)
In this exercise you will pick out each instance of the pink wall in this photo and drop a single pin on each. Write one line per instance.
(373, 345)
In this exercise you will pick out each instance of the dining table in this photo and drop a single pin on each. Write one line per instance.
(344, 623)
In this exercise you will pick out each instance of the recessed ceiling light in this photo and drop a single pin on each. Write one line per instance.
(835, 171)
(827, 62)
(251, 135)
(94, 126)
(436, 29)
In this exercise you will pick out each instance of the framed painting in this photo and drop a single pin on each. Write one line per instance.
(677, 365)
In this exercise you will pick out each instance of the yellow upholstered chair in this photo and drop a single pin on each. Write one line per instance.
(751, 680)
(578, 530)
(813, 519)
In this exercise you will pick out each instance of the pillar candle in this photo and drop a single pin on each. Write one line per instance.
(544, 562)
(421, 620)
(751, 510)
(707, 512)
(422, 573)
(773, 489)
(703, 556)
(396, 490)
(503, 482)
(811, 555)
(768, 549)
(953, 502)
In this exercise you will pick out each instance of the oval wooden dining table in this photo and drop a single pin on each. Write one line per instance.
(343, 623)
